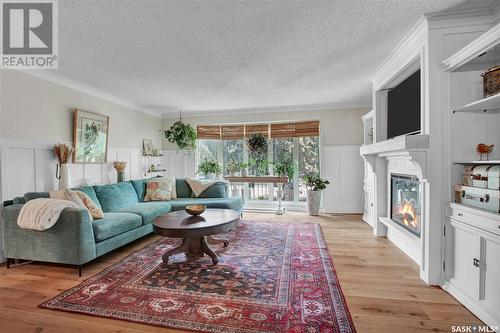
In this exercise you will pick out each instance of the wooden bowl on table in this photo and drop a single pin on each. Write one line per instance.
(195, 209)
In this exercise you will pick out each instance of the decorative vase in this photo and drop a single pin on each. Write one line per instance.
(210, 176)
(313, 202)
(244, 172)
(120, 176)
(64, 176)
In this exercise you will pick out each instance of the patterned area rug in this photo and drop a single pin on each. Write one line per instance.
(273, 277)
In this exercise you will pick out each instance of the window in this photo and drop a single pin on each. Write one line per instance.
(296, 143)
(208, 150)
(234, 156)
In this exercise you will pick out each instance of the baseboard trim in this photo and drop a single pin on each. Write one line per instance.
(469, 303)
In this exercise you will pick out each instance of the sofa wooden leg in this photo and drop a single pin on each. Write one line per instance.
(8, 263)
(79, 271)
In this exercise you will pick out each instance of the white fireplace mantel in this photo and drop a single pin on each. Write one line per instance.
(412, 147)
(406, 142)
(407, 155)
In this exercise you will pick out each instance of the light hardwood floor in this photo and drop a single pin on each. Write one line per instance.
(381, 285)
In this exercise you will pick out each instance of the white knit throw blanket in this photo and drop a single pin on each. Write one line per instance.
(200, 185)
(42, 214)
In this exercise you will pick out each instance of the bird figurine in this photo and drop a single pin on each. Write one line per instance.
(484, 149)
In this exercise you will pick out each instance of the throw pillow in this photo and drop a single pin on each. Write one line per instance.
(158, 190)
(69, 195)
(94, 210)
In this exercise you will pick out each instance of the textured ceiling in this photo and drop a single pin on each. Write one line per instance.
(214, 55)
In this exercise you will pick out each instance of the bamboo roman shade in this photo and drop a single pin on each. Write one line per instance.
(289, 130)
(208, 132)
(233, 132)
(236, 132)
(252, 129)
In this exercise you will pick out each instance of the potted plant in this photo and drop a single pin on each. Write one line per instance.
(314, 185)
(232, 167)
(257, 144)
(209, 168)
(243, 168)
(181, 134)
(260, 165)
(286, 168)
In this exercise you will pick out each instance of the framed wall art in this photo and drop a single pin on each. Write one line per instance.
(90, 136)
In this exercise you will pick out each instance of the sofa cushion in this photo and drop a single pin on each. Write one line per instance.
(217, 190)
(183, 189)
(19, 200)
(148, 210)
(35, 195)
(140, 187)
(89, 190)
(235, 203)
(116, 196)
(113, 224)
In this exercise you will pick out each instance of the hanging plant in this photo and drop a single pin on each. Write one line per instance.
(181, 134)
(257, 144)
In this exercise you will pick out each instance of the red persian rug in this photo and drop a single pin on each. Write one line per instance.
(273, 277)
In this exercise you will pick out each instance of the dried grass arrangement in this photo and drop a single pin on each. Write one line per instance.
(63, 152)
(119, 166)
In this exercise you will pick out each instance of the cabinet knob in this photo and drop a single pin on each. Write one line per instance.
(475, 262)
(460, 214)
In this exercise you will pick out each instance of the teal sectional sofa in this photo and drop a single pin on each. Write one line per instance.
(76, 239)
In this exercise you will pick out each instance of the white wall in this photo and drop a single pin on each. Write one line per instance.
(35, 114)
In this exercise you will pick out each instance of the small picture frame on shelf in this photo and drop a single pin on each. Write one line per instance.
(147, 147)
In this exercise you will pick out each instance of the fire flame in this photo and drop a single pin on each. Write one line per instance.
(409, 214)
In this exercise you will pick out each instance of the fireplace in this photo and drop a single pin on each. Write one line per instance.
(406, 204)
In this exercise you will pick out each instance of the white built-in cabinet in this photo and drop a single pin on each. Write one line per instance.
(472, 236)
(473, 265)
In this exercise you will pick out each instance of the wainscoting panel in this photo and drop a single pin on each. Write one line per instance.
(18, 171)
(31, 166)
(45, 168)
(343, 167)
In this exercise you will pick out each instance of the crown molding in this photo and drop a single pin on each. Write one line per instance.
(270, 109)
(406, 52)
(83, 88)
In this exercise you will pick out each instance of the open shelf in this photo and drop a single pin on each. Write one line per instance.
(481, 53)
(477, 162)
(491, 103)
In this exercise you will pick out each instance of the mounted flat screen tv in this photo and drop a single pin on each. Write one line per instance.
(403, 107)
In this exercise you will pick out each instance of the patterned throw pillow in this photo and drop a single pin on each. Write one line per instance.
(69, 195)
(158, 190)
(94, 210)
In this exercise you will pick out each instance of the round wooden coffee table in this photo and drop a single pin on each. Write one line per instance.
(196, 231)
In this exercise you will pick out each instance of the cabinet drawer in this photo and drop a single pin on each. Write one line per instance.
(477, 218)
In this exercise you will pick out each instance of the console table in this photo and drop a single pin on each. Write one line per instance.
(280, 180)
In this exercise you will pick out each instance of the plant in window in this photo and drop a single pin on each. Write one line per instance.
(243, 168)
(209, 168)
(257, 144)
(285, 168)
(315, 185)
(259, 164)
(181, 134)
(232, 167)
